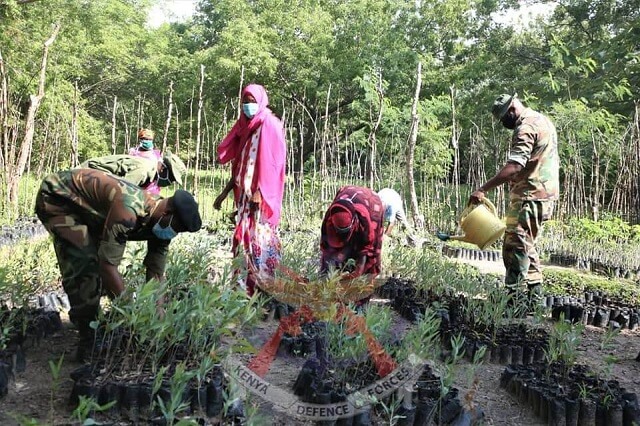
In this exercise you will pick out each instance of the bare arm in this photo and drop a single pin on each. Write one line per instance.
(111, 278)
(256, 200)
(217, 204)
(389, 229)
(360, 263)
(506, 173)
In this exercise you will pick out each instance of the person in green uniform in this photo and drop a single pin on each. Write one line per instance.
(91, 215)
(144, 172)
(532, 171)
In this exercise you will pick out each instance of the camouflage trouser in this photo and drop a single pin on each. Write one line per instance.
(521, 260)
(77, 254)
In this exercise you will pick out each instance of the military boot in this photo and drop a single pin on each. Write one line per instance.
(82, 319)
(534, 296)
(86, 338)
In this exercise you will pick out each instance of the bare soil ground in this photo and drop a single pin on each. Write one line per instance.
(34, 393)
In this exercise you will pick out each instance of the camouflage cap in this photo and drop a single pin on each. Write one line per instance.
(501, 105)
(186, 209)
(176, 167)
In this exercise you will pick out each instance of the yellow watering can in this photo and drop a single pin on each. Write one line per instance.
(480, 224)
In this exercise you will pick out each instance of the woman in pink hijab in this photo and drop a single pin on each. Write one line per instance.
(256, 148)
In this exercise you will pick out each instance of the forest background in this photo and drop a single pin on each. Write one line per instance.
(376, 92)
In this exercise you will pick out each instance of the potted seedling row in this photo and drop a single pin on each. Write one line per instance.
(471, 254)
(24, 327)
(157, 357)
(564, 394)
(595, 308)
(478, 321)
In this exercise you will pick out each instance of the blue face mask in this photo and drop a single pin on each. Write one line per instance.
(146, 144)
(164, 233)
(250, 109)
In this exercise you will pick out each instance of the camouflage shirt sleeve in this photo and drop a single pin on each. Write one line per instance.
(137, 170)
(138, 176)
(119, 222)
(156, 259)
(522, 145)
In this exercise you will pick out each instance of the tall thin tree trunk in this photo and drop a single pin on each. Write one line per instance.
(140, 123)
(27, 141)
(45, 147)
(53, 158)
(198, 131)
(74, 127)
(635, 184)
(193, 95)
(455, 178)
(418, 219)
(324, 173)
(177, 141)
(7, 138)
(4, 116)
(595, 178)
(374, 130)
(239, 110)
(301, 149)
(114, 115)
(168, 121)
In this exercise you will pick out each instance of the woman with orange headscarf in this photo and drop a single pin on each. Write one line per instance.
(257, 151)
(145, 149)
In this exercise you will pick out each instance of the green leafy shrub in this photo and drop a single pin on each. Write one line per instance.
(28, 268)
(575, 284)
(610, 240)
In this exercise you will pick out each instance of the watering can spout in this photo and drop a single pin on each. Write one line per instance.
(446, 237)
(480, 224)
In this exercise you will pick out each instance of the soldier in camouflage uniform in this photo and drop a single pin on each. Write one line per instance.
(532, 171)
(91, 215)
(145, 172)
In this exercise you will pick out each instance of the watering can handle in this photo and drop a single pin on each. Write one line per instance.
(487, 202)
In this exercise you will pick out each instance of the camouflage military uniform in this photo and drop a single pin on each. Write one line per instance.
(533, 192)
(91, 215)
(140, 171)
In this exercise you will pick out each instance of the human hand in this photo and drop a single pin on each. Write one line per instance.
(217, 203)
(476, 197)
(256, 200)
(412, 240)
(359, 270)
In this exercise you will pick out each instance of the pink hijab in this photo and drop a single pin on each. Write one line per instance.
(272, 152)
